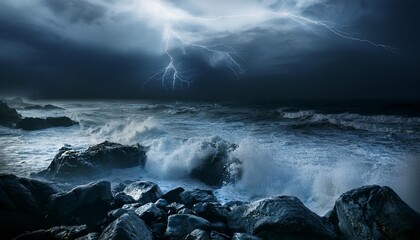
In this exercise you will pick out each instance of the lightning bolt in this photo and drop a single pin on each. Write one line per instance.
(173, 76)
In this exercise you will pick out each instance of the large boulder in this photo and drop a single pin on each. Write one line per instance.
(374, 212)
(97, 160)
(86, 204)
(56, 233)
(280, 217)
(180, 225)
(215, 165)
(151, 214)
(214, 212)
(143, 191)
(128, 227)
(23, 203)
(31, 123)
(9, 117)
(189, 198)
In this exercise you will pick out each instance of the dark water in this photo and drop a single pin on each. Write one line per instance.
(313, 151)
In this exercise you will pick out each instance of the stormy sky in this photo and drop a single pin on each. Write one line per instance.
(211, 49)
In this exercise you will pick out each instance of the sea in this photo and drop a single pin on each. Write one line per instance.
(315, 151)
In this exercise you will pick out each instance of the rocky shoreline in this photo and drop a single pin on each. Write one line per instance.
(35, 209)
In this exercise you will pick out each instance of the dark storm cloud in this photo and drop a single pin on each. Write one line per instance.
(92, 48)
(77, 10)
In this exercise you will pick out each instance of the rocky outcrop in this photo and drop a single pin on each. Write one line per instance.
(143, 192)
(128, 227)
(41, 123)
(375, 212)
(86, 204)
(23, 204)
(95, 161)
(32, 209)
(216, 166)
(9, 117)
(44, 107)
(280, 217)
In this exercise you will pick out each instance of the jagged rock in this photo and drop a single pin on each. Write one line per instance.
(143, 191)
(186, 211)
(45, 107)
(375, 212)
(23, 203)
(150, 213)
(216, 166)
(213, 212)
(161, 203)
(95, 161)
(9, 117)
(180, 225)
(56, 233)
(90, 236)
(173, 195)
(174, 208)
(128, 227)
(31, 123)
(280, 217)
(120, 199)
(199, 234)
(189, 198)
(244, 236)
(86, 204)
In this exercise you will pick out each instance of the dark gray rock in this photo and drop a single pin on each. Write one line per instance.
(56, 233)
(41, 123)
(96, 161)
(189, 198)
(143, 191)
(244, 236)
(180, 225)
(214, 212)
(86, 204)
(161, 203)
(173, 195)
(186, 211)
(375, 212)
(199, 234)
(45, 107)
(279, 217)
(217, 166)
(151, 214)
(90, 236)
(120, 199)
(174, 208)
(9, 117)
(23, 203)
(127, 227)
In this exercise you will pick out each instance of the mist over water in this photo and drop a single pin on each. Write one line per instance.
(314, 154)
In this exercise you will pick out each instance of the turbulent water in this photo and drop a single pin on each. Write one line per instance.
(315, 154)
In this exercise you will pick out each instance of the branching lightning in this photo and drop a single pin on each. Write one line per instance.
(173, 76)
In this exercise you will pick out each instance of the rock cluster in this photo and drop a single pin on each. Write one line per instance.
(9, 117)
(32, 209)
(94, 162)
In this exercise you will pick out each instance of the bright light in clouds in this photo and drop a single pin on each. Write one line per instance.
(188, 32)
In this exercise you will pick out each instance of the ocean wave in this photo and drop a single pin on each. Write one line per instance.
(375, 123)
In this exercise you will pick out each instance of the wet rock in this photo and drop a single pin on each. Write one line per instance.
(86, 204)
(199, 234)
(56, 233)
(143, 192)
(280, 217)
(180, 225)
(244, 236)
(216, 166)
(45, 107)
(213, 212)
(151, 214)
(9, 117)
(161, 203)
(128, 227)
(174, 208)
(90, 236)
(23, 203)
(186, 211)
(375, 212)
(173, 195)
(189, 198)
(41, 123)
(120, 199)
(95, 161)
